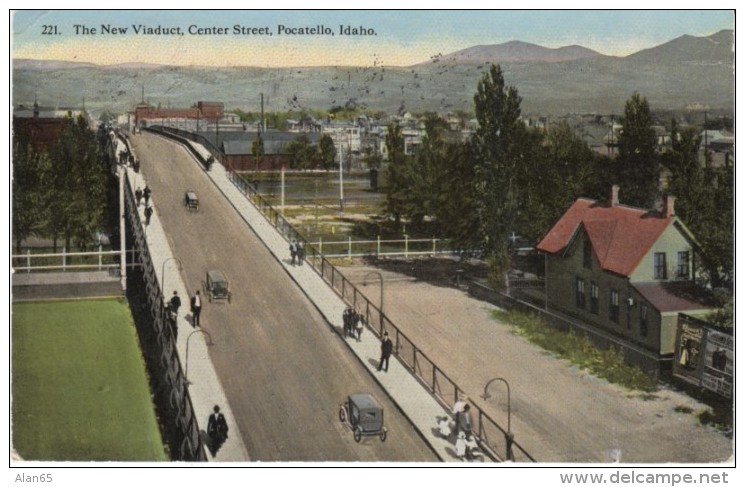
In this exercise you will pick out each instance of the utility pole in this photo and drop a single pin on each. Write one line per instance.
(341, 177)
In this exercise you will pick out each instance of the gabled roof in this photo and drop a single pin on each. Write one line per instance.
(620, 235)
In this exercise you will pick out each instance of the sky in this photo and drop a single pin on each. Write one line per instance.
(394, 37)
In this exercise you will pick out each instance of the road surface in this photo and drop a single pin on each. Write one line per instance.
(559, 412)
(283, 369)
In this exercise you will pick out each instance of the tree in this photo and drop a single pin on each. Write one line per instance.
(372, 158)
(301, 153)
(637, 167)
(397, 174)
(78, 185)
(458, 205)
(326, 151)
(497, 152)
(423, 173)
(31, 191)
(704, 202)
(565, 172)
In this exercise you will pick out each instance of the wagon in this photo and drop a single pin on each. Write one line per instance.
(216, 286)
(191, 201)
(363, 415)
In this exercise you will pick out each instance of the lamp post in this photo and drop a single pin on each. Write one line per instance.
(364, 283)
(186, 366)
(509, 437)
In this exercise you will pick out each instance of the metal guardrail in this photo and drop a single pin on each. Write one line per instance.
(495, 439)
(173, 396)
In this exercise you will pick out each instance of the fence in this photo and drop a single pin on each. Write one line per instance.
(70, 261)
(158, 336)
(520, 300)
(405, 247)
(496, 440)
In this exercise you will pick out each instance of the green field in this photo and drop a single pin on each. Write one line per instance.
(79, 386)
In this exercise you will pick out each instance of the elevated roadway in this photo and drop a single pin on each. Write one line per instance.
(283, 369)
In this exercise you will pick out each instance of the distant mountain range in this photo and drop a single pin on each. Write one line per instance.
(685, 72)
(514, 52)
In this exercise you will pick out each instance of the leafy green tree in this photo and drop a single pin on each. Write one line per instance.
(301, 152)
(458, 205)
(498, 154)
(638, 169)
(326, 152)
(423, 173)
(372, 158)
(397, 174)
(705, 203)
(564, 172)
(78, 185)
(31, 191)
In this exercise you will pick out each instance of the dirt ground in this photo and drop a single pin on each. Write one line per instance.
(559, 412)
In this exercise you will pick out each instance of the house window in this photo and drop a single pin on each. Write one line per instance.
(587, 255)
(660, 265)
(643, 321)
(580, 293)
(613, 309)
(594, 304)
(683, 264)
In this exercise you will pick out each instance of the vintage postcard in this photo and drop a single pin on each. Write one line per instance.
(374, 238)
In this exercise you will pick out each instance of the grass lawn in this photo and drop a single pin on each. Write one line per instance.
(79, 386)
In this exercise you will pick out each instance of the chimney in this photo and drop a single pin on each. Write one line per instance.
(614, 195)
(669, 208)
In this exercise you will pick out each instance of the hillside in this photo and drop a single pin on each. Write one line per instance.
(684, 72)
(514, 52)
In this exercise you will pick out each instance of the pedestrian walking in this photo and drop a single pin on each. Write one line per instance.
(360, 325)
(386, 349)
(300, 253)
(175, 303)
(443, 426)
(196, 309)
(138, 195)
(146, 194)
(217, 430)
(463, 420)
(460, 447)
(293, 252)
(349, 322)
(148, 214)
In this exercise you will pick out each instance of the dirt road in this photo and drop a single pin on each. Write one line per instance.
(282, 368)
(559, 413)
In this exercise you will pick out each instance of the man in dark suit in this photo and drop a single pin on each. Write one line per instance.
(386, 349)
(196, 309)
(217, 429)
(175, 303)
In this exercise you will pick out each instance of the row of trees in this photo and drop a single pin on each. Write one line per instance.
(512, 178)
(306, 155)
(60, 194)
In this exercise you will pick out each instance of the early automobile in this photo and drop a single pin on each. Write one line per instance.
(216, 286)
(363, 415)
(191, 201)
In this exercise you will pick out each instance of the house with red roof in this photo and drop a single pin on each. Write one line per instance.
(627, 271)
